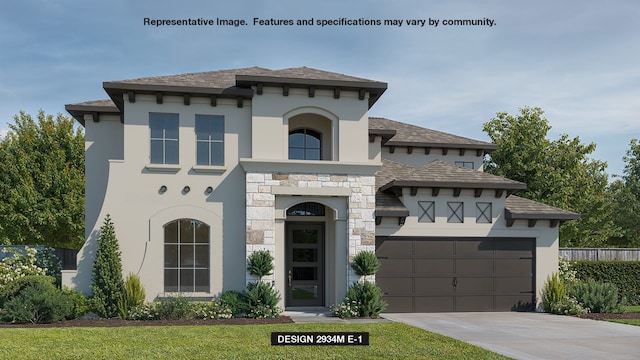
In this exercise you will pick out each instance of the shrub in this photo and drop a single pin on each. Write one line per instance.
(553, 292)
(568, 306)
(133, 296)
(597, 296)
(107, 285)
(145, 311)
(174, 308)
(368, 297)
(19, 264)
(347, 309)
(214, 310)
(78, 303)
(39, 302)
(234, 301)
(260, 263)
(262, 300)
(623, 274)
(12, 289)
(365, 263)
(47, 260)
(566, 271)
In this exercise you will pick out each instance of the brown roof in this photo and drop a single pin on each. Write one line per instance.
(440, 174)
(412, 135)
(95, 106)
(520, 208)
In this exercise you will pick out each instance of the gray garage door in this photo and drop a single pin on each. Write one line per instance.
(430, 274)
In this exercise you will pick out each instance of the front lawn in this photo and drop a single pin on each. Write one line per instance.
(635, 322)
(388, 340)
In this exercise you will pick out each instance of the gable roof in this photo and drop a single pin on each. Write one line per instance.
(440, 174)
(412, 135)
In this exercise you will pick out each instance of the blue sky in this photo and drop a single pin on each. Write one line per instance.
(578, 60)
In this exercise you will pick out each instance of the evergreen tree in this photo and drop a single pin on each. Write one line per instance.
(108, 286)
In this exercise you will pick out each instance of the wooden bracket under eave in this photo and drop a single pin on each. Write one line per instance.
(409, 149)
(214, 100)
(510, 222)
(312, 91)
(456, 192)
(361, 94)
(414, 191)
(259, 89)
(479, 152)
(445, 151)
(132, 96)
(499, 193)
(392, 149)
(378, 220)
(186, 98)
(553, 223)
(402, 220)
(427, 151)
(372, 138)
(477, 193)
(240, 102)
(95, 116)
(462, 151)
(532, 222)
(158, 97)
(285, 90)
(435, 191)
(336, 93)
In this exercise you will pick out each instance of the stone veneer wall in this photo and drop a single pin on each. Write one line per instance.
(261, 209)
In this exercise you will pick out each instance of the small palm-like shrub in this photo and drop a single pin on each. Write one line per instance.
(365, 263)
(133, 296)
(597, 296)
(553, 292)
(260, 263)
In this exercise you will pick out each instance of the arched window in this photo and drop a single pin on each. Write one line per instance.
(306, 209)
(304, 144)
(186, 256)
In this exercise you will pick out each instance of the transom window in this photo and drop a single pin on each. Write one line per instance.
(483, 212)
(455, 212)
(465, 164)
(209, 140)
(428, 211)
(186, 256)
(304, 144)
(164, 138)
(306, 209)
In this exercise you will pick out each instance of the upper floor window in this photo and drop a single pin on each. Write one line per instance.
(164, 138)
(465, 164)
(209, 140)
(304, 144)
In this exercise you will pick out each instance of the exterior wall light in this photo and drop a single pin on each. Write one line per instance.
(186, 189)
(162, 190)
(209, 190)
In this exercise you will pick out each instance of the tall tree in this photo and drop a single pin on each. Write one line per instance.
(107, 285)
(42, 182)
(557, 172)
(625, 198)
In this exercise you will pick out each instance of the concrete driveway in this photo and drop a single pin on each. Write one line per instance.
(533, 335)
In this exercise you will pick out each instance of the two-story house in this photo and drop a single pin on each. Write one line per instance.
(200, 170)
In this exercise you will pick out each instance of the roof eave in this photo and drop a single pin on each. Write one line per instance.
(78, 111)
(508, 214)
(452, 184)
(488, 148)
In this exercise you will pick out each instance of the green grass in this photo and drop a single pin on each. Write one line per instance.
(629, 309)
(388, 340)
(635, 322)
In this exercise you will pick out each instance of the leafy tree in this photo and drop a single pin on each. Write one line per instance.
(42, 182)
(108, 286)
(557, 172)
(625, 199)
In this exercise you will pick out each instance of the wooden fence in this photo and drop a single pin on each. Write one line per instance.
(596, 254)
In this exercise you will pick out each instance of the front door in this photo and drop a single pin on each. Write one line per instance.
(305, 264)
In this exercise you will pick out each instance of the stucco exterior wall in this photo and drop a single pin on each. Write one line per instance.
(418, 158)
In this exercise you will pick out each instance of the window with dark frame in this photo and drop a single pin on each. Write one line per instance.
(483, 212)
(209, 140)
(164, 130)
(305, 144)
(428, 211)
(455, 212)
(306, 209)
(186, 256)
(465, 164)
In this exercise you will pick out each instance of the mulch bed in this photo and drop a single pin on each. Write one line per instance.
(605, 316)
(118, 322)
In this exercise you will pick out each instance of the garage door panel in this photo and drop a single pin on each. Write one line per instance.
(465, 248)
(474, 285)
(513, 284)
(434, 266)
(474, 266)
(396, 266)
(433, 286)
(399, 303)
(396, 285)
(513, 266)
(475, 303)
(434, 249)
(395, 248)
(514, 302)
(517, 247)
(433, 304)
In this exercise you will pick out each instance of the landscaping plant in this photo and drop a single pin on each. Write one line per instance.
(133, 296)
(107, 285)
(19, 264)
(234, 301)
(365, 263)
(599, 297)
(260, 263)
(368, 296)
(38, 302)
(554, 291)
(262, 300)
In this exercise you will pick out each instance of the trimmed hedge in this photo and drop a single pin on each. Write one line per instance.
(624, 274)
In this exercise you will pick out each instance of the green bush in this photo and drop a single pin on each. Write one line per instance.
(260, 263)
(262, 300)
(214, 310)
(234, 301)
(13, 288)
(553, 292)
(19, 264)
(78, 303)
(107, 284)
(625, 275)
(347, 309)
(368, 297)
(133, 296)
(568, 306)
(597, 296)
(39, 302)
(174, 308)
(365, 263)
